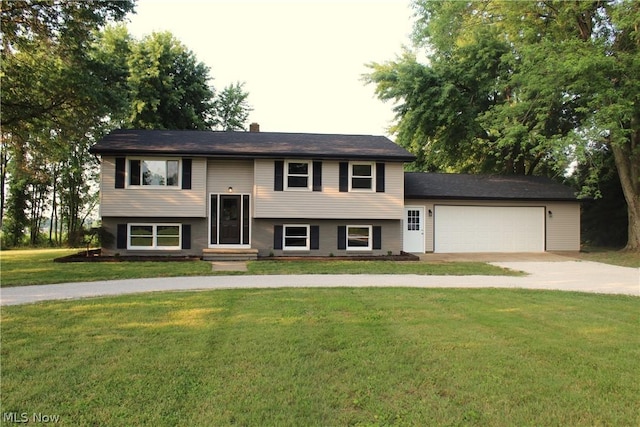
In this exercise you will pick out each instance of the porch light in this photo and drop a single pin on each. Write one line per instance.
(550, 214)
(430, 213)
(230, 189)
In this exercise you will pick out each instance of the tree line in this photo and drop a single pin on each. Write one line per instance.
(70, 73)
(528, 87)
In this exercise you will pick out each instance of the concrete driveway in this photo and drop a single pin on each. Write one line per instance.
(579, 276)
(499, 257)
(552, 273)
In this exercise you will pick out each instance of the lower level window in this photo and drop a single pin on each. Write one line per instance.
(154, 236)
(296, 237)
(359, 237)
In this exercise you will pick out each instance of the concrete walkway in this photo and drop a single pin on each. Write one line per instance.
(581, 276)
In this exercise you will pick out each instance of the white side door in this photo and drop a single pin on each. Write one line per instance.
(413, 226)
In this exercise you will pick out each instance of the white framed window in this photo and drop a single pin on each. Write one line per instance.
(154, 236)
(359, 237)
(362, 176)
(295, 237)
(153, 173)
(298, 175)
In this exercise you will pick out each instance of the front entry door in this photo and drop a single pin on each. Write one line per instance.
(230, 220)
(413, 234)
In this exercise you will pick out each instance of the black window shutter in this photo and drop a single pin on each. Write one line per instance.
(344, 176)
(186, 174)
(380, 177)
(317, 176)
(377, 237)
(342, 237)
(214, 219)
(134, 170)
(186, 236)
(120, 171)
(277, 237)
(314, 230)
(246, 209)
(121, 236)
(278, 183)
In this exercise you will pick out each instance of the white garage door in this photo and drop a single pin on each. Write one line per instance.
(489, 229)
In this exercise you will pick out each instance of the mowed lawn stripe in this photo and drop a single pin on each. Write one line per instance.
(36, 267)
(327, 357)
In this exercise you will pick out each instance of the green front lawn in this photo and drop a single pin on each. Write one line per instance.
(325, 357)
(36, 267)
(610, 256)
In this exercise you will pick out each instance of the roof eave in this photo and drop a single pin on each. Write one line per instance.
(501, 198)
(117, 152)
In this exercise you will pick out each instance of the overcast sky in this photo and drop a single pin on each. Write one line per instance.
(302, 61)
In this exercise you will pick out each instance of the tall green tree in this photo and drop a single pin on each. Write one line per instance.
(521, 87)
(41, 41)
(232, 108)
(49, 80)
(169, 88)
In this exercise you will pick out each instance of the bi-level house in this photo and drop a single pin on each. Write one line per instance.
(239, 195)
(248, 194)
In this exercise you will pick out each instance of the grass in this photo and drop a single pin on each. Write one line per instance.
(611, 256)
(327, 357)
(35, 267)
(377, 267)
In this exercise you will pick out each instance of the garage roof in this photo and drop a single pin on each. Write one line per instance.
(250, 145)
(420, 185)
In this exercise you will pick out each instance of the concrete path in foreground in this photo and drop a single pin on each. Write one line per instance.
(581, 276)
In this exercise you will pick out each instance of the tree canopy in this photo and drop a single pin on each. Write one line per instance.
(521, 88)
(43, 46)
(232, 108)
(169, 88)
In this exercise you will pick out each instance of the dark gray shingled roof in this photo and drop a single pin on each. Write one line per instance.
(419, 185)
(250, 145)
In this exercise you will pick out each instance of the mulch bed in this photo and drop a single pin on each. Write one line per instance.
(95, 255)
(404, 256)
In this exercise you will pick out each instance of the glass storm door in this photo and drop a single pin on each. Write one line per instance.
(230, 220)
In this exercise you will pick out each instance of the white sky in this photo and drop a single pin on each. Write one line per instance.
(302, 61)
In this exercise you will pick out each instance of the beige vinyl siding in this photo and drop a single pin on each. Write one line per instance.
(330, 203)
(562, 229)
(563, 226)
(223, 173)
(164, 202)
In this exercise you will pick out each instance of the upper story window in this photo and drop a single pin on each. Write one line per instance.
(362, 177)
(298, 175)
(154, 173)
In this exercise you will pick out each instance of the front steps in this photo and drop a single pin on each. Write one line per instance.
(229, 254)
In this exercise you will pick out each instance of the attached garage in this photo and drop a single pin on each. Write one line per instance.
(485, 213)
(488, 229)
